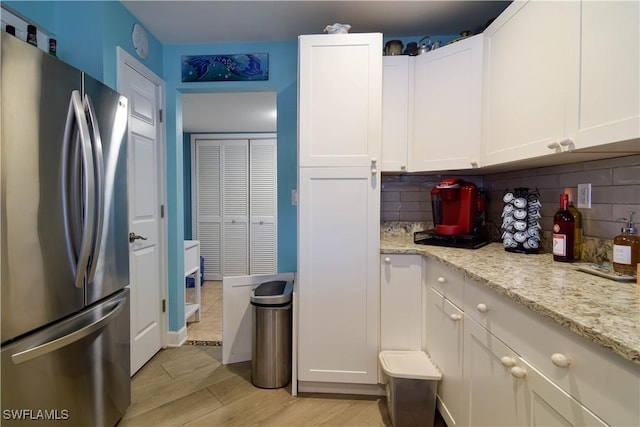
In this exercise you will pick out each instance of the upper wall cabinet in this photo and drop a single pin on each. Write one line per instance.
(609, 74)
(397, 88)
(340, 104)
(447, 107)
(530, 79)
(572, 86)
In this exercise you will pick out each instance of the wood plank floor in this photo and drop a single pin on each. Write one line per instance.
(189, 386)
(209, 328)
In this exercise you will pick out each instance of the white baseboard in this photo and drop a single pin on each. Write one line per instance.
(176, 339)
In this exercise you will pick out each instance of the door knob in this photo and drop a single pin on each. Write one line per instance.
(133, 237)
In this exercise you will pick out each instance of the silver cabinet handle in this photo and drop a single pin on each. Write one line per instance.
(133, 237)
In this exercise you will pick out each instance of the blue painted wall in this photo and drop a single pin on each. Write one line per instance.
(283, 69)
(88, 33)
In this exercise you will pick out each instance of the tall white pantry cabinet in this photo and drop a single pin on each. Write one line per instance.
(339, 146)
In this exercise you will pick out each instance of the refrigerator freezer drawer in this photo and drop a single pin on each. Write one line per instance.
(76, 370)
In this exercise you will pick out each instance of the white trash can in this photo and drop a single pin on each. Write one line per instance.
(412, 382)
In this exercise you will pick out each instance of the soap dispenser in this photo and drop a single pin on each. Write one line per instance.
(626, 248)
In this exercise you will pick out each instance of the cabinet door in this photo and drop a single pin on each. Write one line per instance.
(492, 395)
(263, 208)
(208, 205)
(547, 405)
(609, 102)
(340, 99)
(338, 274)
(401, 302)
(530, 81)
(447, 107)
(444, 345)
(235, 200)
(397, 88)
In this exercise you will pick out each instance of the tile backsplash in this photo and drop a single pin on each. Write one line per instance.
(615, 187)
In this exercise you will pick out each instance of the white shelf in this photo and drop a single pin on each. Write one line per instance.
(192, 268)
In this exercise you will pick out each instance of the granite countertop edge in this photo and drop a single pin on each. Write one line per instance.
(604, 311)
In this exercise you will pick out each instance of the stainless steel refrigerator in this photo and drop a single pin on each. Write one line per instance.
(64, 244)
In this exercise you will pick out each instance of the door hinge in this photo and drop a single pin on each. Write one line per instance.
(160, 115)
(161, 211)
(164, 305)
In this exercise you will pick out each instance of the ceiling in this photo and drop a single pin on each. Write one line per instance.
(213, 21)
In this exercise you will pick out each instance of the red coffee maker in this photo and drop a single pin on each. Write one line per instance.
(455, 206)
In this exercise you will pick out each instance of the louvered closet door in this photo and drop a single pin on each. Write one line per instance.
(262, 247)
(208, 183)
(235, 202)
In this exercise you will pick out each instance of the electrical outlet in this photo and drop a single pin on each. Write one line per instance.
(584, 196)
(294, 197)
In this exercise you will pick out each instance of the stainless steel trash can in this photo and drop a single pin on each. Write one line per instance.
(271, 334)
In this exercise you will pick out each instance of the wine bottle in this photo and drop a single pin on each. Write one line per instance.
(563, 232)
(577, 236)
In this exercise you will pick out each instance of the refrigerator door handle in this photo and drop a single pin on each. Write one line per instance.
(99, 184)
(53, 345)
(76, 111)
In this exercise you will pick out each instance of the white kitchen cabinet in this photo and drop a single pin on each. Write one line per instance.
(397, 99)
(401, 286)
(339, 135)
(447, 104)
(445, 345)
(569, 379)
(338, 273)
(339, 99)
(609, 74)
(492, 395)
(502, 389)
(572, 87)
(530, 86)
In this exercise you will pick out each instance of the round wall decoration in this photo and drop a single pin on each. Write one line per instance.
(140, 41)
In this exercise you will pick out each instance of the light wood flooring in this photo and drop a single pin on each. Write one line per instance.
(189, 386)
(209, 328)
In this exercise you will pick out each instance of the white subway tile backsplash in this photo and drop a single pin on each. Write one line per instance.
(615, 192)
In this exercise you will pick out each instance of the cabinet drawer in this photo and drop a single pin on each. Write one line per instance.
(599, 379)
(445, 280)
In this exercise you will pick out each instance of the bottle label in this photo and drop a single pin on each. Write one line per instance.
(622, 254)
(560, 244)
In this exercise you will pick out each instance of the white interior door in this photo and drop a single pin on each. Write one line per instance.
(235, 202)
(208, 205)
(144, 91)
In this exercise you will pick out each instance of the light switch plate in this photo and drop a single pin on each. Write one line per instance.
(584, 196)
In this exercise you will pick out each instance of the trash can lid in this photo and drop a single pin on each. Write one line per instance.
(274, 293)
(408, 364)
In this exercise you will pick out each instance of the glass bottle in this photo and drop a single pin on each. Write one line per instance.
(32, 35)
(563, 232)
(577, 235)
(626, 248)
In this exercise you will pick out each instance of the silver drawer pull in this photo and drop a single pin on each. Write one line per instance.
(441, 280)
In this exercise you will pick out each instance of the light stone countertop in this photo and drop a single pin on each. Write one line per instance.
(604, 311)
